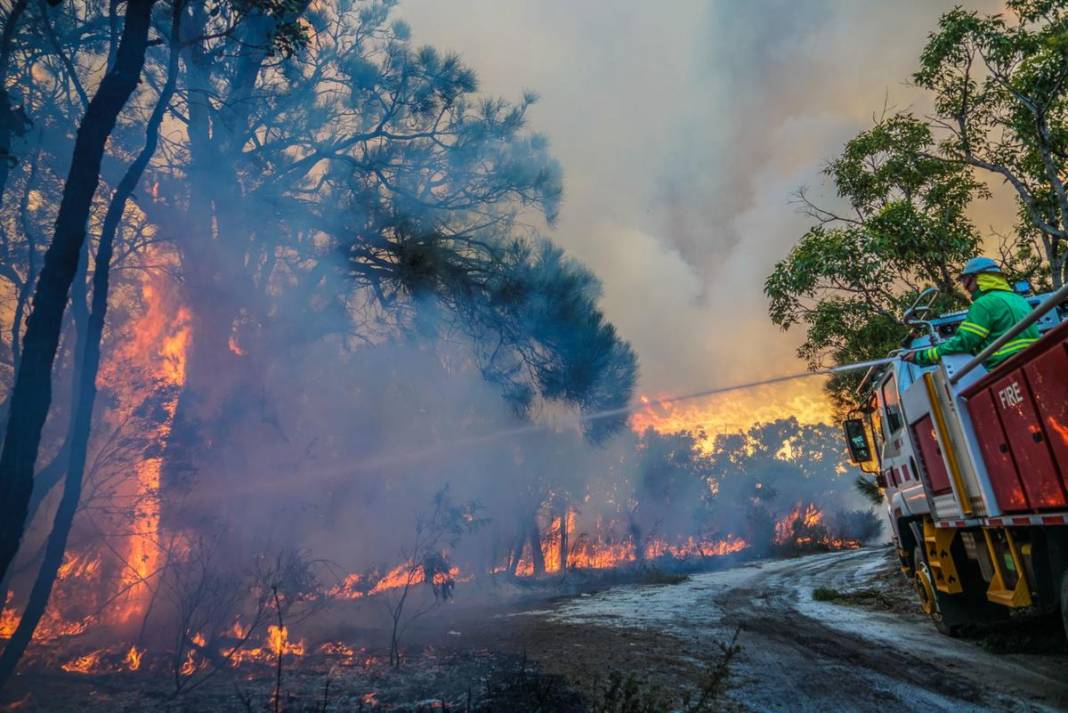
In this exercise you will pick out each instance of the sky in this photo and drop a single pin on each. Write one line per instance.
(684, 128)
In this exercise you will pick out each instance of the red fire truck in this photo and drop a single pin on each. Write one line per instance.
(974, 468)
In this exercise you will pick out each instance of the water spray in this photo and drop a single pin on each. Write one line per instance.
(631, 408)
(387, 460)
(463, 443)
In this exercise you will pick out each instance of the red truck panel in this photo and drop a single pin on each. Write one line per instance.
(1008, 490)
(1048, 377)
(932, 456)
(1012, 398)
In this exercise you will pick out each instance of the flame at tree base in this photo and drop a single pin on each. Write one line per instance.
(805, 527)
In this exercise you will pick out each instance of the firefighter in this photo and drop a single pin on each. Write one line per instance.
(995, 309)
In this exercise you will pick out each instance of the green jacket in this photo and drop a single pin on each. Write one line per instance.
(994, 311)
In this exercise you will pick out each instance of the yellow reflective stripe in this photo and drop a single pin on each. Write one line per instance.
(1015, 345)
(932, 355)
(974, 328)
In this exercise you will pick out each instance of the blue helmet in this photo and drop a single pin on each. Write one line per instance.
(980, 264)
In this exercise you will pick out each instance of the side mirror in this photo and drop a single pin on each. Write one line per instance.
(857, 440)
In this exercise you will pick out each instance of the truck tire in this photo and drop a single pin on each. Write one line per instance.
(1064, 602)
(946, 612)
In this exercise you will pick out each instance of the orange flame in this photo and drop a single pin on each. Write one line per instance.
(133, 659)
(161, 339)
(737, 411)
(84, 664)
(9, 620)
(804, 527)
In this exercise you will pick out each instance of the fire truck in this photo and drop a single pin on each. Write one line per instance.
(974, 467)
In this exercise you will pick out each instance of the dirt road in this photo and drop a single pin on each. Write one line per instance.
(804, 655)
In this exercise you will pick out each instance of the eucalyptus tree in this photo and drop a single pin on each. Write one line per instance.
(904, 227)
(1000, 85)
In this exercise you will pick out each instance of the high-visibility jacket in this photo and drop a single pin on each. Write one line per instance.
(994, 311)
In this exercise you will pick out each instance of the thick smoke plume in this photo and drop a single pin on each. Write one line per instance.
(333, 294)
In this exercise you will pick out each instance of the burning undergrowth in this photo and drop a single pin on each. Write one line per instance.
(300, 356)
(250, 574)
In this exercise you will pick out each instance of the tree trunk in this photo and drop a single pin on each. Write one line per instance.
(9, 121)
(48, 477)
(536, 555)
(32, 393)
(563, 539)
(638, 539)
(89, 340)
(516, 552)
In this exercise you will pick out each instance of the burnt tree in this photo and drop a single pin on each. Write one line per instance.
(88, 366)
(32, 392)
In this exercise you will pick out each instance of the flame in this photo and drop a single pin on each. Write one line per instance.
(234, 347)
(406, 574)
(348, 588)
(737, 411)
(410, 574)
(133, 658)
(9, 620)
(602, 551)
(160, 342)
(237, 631)
(345, 654)
(18, 704)
(84, 664)
(696, 548)
(804, 526)
(278, 640)
(277, 644)
(189, 665)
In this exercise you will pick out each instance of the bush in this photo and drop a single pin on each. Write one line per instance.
(825, 594)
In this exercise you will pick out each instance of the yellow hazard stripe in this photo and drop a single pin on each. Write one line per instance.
(974, 328)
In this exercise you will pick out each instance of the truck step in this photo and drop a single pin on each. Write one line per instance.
(938, 545)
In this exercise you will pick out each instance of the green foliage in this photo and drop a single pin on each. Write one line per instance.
(866, 487)
(999, 84)
(851, 276)
(825, 594)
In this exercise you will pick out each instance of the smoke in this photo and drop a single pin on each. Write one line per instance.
(681, 134)
(683, 130)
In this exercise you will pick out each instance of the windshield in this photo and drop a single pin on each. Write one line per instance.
(894, 420)
(876, 422)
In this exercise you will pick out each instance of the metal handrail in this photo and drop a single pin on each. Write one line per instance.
(1040, 311)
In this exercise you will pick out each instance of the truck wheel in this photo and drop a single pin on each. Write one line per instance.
(945, 612)
(1064, 602)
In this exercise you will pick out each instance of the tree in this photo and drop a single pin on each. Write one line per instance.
(672, 489)
(89, 363)
(425, 561)
(1000, 85)
(32, 392)
(850, 277)
(368, 147)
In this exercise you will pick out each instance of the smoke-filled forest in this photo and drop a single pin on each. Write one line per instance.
(298, 390)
